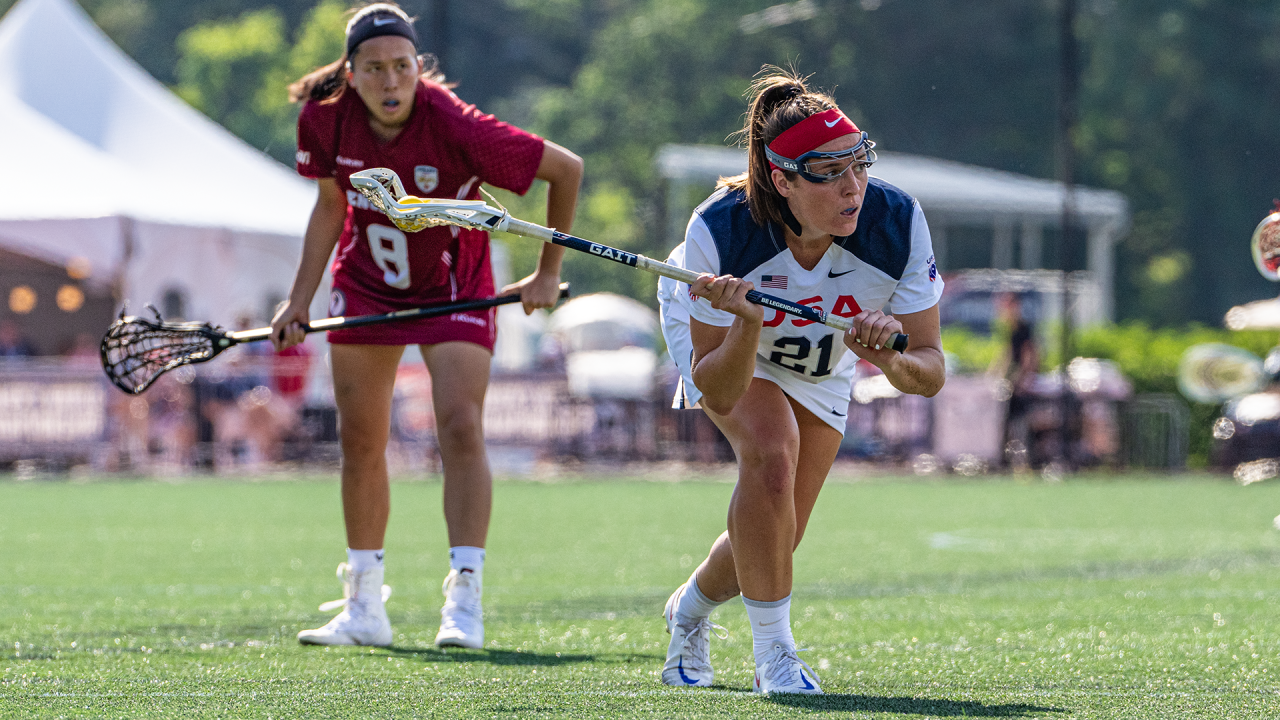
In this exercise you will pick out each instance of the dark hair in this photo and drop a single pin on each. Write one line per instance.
(328, 83)
(777, 100)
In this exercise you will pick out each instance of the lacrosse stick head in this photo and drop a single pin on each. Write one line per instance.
(1214, 373)
(135, 351)
(382, 188)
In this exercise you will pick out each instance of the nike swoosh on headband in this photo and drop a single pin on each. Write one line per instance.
(832, 123)
(379, 22)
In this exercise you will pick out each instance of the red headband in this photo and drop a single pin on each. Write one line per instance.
(811, 132)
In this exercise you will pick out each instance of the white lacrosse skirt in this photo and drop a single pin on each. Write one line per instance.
(828, 399)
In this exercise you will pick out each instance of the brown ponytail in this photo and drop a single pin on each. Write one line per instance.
(777, 100)
(327, 84)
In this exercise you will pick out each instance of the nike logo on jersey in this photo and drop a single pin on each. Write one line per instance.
(832, 123)
(837, 413)
(833, 274)
(388, 21)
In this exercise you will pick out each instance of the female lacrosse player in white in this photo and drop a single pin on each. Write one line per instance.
(383, 105)
(805, 223)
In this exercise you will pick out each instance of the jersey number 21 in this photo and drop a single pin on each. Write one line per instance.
(800, 348)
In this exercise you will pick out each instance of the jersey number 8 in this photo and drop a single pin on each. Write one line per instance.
(390, 250)
(793, 361)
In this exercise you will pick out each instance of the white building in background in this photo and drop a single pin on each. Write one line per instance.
(1014, 209)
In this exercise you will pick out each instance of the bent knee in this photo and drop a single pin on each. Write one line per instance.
(772, 468)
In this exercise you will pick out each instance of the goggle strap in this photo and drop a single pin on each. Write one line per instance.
(786, 163)
(780, 162)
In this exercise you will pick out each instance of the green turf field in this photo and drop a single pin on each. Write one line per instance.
(1135, 598)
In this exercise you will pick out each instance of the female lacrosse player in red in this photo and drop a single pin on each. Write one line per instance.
(805, 223)
(383, 105)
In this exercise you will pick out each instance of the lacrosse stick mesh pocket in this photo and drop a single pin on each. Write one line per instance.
(135, 351)
(405, 223)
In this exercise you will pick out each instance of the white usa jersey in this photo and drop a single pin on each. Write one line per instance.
(886, 264)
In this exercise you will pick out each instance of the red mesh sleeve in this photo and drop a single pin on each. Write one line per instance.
(316, 126)
(499, 153)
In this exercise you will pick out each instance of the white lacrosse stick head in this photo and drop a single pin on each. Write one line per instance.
(384, 191)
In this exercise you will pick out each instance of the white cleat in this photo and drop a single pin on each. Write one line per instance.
(363, 620)
(785, 672)
(689, 652)
(461, 618)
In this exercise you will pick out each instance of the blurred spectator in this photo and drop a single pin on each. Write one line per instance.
(12, 342)
(253, 401)
(1019, 366)
(290, 369)
(172, 435)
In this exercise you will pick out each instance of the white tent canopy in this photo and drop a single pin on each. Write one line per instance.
(105, 165)
(952, 195)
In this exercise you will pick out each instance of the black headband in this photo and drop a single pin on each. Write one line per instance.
(376, 24)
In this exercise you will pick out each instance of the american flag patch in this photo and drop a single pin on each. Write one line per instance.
(777, 282)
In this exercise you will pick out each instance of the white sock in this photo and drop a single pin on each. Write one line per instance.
(770, 623)
(361, 560)
(693, 605)
(467, 557)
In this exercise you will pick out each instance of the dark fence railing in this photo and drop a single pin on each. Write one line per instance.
(256, 412)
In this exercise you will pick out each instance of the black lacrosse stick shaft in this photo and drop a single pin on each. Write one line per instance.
(898, 341)
(342, 323)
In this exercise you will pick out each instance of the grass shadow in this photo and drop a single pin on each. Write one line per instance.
(908, 706)
(494, 657)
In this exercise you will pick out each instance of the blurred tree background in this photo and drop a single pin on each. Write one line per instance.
(1177, 109)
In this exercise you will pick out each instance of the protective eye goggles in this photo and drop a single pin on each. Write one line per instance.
(825, 167)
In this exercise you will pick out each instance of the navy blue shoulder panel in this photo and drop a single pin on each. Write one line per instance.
(883, 237)
(743, 245)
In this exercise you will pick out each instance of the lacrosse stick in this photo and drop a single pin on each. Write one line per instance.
(383, 189)
(136, 351)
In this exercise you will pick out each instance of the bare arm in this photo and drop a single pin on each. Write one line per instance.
(563, 172)
(322, 234)
(724, 358)
(921, 370)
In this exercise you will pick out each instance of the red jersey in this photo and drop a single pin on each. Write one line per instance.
(446, 150)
